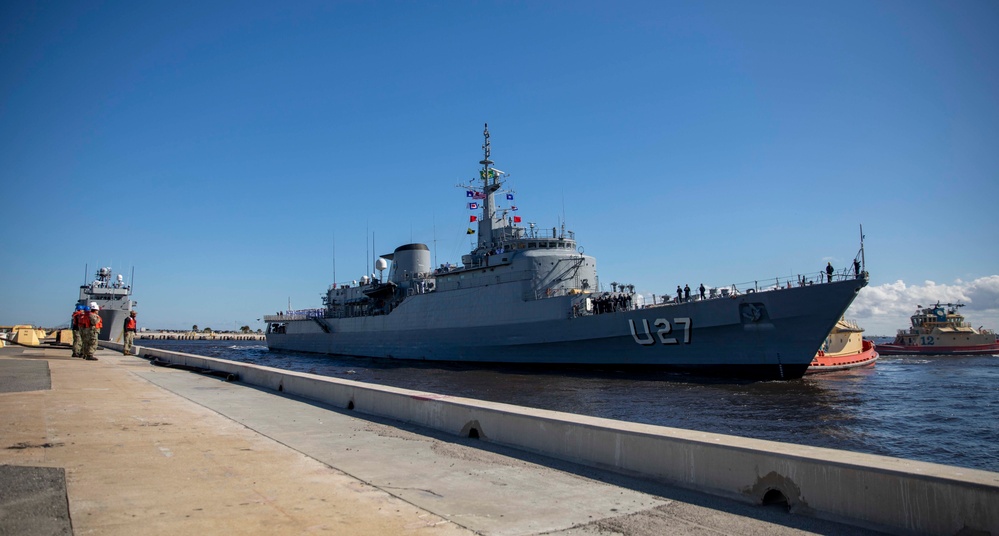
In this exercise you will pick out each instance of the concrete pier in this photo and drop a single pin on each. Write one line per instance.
(158, 450)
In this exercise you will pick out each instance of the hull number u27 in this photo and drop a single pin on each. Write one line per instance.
(647, 338)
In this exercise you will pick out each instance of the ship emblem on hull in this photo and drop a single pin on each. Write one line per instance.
(753, 312)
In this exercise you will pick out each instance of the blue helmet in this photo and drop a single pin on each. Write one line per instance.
(86, 308)
(79, 307)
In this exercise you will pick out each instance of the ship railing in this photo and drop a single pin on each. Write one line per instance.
(801, 280)
(284, 318)
(542, 234)
(300, 314)
(757, 285)
(851, 324)
(353, 284)
(718, 292)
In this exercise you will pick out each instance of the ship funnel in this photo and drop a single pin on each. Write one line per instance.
(409, 260)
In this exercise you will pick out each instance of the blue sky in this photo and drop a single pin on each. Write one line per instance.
(223, 149)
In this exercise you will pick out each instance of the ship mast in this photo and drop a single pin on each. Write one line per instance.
(490, 183)
(863, 261)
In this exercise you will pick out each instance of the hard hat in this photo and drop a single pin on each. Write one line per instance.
(93, 305)
(95, 308)
(79, 307)
(85, 308)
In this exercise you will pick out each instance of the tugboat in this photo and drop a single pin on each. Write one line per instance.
(941, 330)
(529, 296)
(845, 348)
(112, 295)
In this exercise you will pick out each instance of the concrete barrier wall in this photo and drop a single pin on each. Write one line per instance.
(897, 495)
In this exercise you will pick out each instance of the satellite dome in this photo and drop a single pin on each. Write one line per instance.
(381, 264)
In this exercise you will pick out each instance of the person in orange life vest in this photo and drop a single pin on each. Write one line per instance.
(75, 323)
(129, 333)
(85, 331)
(95, 329)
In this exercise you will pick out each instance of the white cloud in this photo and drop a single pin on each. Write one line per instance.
(884, 308)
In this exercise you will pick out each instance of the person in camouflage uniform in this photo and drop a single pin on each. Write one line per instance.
(75, 323)
(95, 330)
(128, 330)
(84, 327)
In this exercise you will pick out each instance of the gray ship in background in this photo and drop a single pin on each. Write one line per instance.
(113, 297)
(530, 296)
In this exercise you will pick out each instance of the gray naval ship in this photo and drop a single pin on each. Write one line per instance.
(113, 297)
(530, 296)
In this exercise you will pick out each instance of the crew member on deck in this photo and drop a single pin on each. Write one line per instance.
(129, 333)
(679, 294)
(702, 290)
(829, 272)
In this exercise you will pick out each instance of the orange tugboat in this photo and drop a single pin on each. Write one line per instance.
(845, 348)
(940, 330)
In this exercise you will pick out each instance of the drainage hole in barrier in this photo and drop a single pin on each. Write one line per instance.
(775, 497)
(350, 405)
(473, 433)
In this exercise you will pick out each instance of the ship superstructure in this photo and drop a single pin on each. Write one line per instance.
(940, 329)
(527, 295)
(113, 296)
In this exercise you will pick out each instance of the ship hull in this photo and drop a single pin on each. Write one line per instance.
(113, 324)
(769, 335)
(898, 349)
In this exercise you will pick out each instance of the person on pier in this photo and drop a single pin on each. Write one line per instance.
(129, 333)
